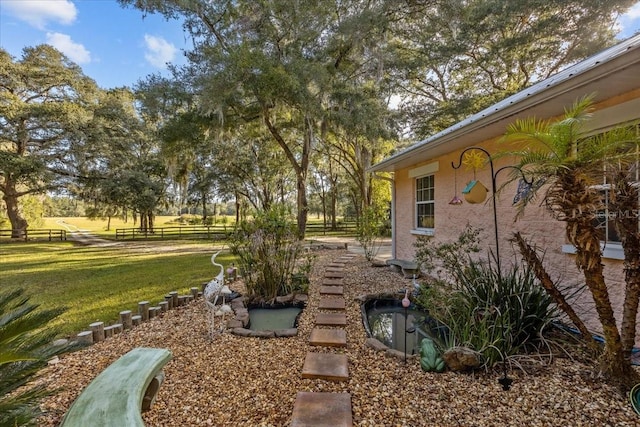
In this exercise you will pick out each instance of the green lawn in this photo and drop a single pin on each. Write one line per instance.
(97, 283)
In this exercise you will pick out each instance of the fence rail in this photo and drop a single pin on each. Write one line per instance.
(217, 231)
(34, 234)
(174, 232)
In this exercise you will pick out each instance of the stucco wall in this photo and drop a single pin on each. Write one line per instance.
(536, 225)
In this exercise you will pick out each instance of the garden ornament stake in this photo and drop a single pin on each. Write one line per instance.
(504, 381)
(405, 303)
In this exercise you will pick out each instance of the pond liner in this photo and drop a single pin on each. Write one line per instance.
(276, 306)
(436, 328)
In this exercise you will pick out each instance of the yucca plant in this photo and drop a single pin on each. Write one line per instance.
(25, 348)
(495, 314)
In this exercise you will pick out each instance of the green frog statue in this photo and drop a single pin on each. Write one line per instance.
(430, 359)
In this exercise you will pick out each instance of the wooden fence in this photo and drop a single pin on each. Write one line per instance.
(34, 234)
(204, 232)
(219, 231)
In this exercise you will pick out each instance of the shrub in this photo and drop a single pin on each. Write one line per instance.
(369, 232)
(25, 348)
(268, 248)
(445, 258)
(496, 314)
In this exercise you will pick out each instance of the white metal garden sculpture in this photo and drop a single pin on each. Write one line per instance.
(214, 289)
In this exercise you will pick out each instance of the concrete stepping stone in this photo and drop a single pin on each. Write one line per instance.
(331, 319)
(328, 337)
(336, 265)
(334, 274)
(322, 410)
(332, 303)
(331, 290)
(326, 366)
(332, 282)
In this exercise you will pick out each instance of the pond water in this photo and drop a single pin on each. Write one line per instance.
(385, 321)
(271, 319)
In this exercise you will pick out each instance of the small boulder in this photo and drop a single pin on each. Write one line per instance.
(241, 332)
(284, 299)
(291, 332)
(462, 359)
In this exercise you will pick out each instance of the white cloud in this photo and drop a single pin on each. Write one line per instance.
(159, 51)
(629, 22)
(75, 51)
(634, 12)
(38, 12)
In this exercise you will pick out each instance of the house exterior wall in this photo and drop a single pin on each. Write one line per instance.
(536, 225)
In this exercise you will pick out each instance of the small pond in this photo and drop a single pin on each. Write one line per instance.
(384, 320)
(271, 319)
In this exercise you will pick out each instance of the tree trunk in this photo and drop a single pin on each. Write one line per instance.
(624, 203)
(303, 208)
(204, 207)
(613, 363)
(574, 202)
(18, 223)
(535, 263)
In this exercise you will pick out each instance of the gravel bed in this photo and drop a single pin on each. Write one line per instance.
(238, 381)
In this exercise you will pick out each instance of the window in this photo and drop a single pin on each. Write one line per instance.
(604, 221)
(425, 202)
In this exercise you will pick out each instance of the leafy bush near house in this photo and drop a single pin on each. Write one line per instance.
(369, 232)
(25, 348)
(496, 314)
(443, 258)
(268, 249)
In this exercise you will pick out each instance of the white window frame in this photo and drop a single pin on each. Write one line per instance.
(419, 228)
(610, 248)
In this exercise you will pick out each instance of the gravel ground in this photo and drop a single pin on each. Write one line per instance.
(236, 381)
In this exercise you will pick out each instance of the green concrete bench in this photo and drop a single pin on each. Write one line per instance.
(119, 393)
(408, 268)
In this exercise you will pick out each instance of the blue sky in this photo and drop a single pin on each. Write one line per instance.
(117, 46)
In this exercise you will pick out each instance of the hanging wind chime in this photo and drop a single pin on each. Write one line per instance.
(456, 200)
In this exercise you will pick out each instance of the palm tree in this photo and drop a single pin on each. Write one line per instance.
(25, 348)
(568, 167)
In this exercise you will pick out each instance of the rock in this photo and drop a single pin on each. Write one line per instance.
(234, 323)
(291, 332)
(262, 334)
(377, 262)
(60, 342)
(375, 344)
(284, 299)
(461, 358)
(301, 298)
(244, 318)
(241, 332)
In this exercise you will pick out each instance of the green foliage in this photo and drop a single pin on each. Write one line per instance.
(447, 255)
(496, 314)
(370, 228)
(268, 249)
(25, 348)
(455, 58)
(45, 109)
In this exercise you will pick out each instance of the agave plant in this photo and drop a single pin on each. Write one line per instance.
(25, 347)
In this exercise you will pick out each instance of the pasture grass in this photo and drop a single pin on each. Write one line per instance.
(96, 283)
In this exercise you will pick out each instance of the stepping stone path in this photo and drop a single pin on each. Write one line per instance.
(320, 408)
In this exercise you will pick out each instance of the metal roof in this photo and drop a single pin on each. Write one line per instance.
(613, 71)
